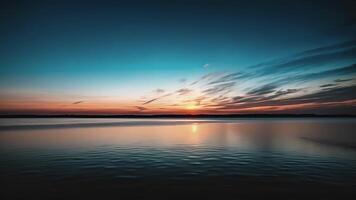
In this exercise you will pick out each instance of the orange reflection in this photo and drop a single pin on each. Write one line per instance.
(194, 128)
(254, 134)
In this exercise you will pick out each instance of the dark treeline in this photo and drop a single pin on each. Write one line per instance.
(182, 116)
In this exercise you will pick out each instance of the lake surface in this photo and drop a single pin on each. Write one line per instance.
(166, 158)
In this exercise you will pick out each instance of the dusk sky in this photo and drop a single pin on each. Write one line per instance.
(177, 57)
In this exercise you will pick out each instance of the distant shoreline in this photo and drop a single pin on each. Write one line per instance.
(184, 116)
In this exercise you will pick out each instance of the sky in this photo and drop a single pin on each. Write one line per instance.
(177, 57)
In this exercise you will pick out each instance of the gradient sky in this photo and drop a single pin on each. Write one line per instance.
(149, 57)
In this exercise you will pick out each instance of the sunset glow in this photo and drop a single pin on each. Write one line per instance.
(178, 99)
(121, 62)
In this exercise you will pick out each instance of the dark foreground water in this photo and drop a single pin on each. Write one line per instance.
(168, 158)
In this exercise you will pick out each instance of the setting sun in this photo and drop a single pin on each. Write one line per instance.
(191, 107)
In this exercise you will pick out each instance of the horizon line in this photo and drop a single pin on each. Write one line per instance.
(257, 115)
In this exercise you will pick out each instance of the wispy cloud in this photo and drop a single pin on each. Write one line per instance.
(343, 80)
(219, 88)
(294, 81)
(328, 85)
(184, 91)
(322, 96)
(307, 60)
(150, 101)
(228, 78)
(327, 49)
(313, 76)
(156, 98)
(141, 108)
(159, 91)
(262, 90)
(207, 77)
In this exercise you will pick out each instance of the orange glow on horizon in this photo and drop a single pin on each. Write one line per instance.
(130, 107)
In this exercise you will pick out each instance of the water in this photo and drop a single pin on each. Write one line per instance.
(166, 158)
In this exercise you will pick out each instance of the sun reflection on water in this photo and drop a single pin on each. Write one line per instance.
(194, 128)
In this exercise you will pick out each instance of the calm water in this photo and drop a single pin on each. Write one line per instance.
(165, 158)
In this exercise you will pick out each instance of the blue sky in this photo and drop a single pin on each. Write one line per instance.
(70, 51)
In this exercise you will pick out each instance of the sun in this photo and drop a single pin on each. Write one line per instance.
(191, 107)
